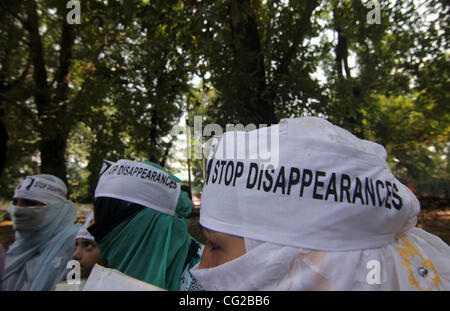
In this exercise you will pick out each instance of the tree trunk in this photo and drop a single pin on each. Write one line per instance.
(53, 155)
(96, 157)
(251, 105)
(255, 95)
(55, 122)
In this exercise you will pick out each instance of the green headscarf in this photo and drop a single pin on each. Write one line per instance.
(151, 246)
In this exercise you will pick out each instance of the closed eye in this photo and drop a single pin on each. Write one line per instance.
(212, 245)
(88, 245)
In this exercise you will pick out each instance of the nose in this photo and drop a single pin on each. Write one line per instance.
(77, 254)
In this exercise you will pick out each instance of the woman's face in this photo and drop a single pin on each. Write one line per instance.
(87, 254)
(27, 215)
(220, 248)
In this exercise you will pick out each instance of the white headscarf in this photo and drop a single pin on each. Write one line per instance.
(83, 233)
(37, 259)
(141, 183)
(44, 188)
(311, 228)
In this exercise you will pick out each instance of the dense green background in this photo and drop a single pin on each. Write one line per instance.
(114, 85)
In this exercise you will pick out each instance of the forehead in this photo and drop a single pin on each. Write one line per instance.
(82, 240)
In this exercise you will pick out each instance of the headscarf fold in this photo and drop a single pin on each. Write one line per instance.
(151, 247)
(415, 261)
(83, 233)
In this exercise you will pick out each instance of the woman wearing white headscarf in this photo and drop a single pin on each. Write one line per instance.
(320, 210)
(86, 253)
(43, 220)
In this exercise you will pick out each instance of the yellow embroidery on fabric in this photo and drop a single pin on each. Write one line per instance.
(407, 254)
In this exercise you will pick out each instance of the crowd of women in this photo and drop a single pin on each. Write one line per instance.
(329, 215)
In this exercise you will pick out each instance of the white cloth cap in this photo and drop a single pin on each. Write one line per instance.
(83, 233)
(139, 183)
(329, 190)
(41, 188)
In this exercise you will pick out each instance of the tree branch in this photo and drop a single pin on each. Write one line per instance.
(302, 28)
(19, 80)
(24, 109)
(42, 95)
(65, 59)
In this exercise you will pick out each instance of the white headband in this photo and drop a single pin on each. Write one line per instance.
(83, 233)
(329, 190)
(139, 183)
(40, 189)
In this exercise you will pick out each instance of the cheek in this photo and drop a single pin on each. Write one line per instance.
(210, 258)
(92, 256)
(213, 258)
(88, 260)
(89, 257)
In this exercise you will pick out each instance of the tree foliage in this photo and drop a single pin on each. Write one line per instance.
(114, 85)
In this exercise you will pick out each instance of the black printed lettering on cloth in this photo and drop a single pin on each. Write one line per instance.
(346, 183)
(253, 172)
(208, 170)
(369, 191)
(40, 184)
(305, 183)
(318, 184)
(398, 200)
(106, 165)
(156, 176)
(331, 188)
(358, 192)
(293, 180)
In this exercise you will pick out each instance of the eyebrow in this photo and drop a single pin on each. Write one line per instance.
(89, 242)
(208, 234)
